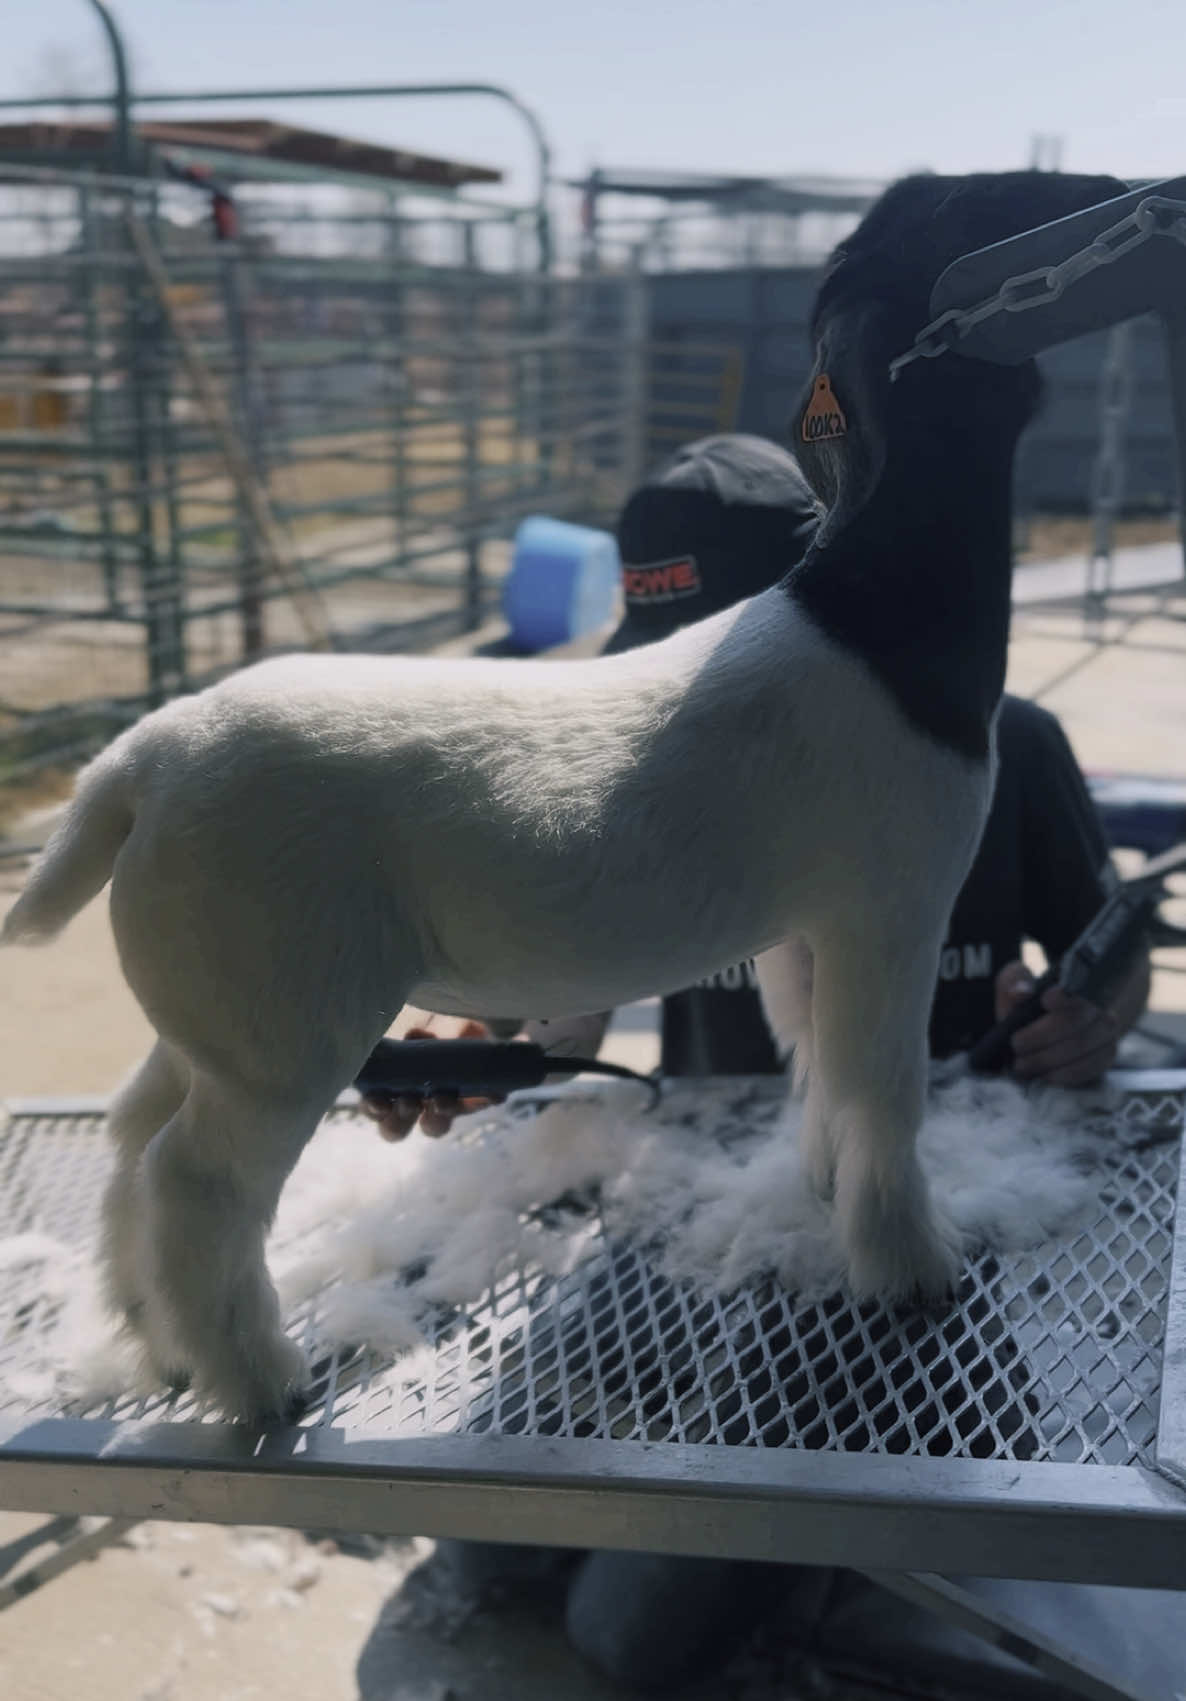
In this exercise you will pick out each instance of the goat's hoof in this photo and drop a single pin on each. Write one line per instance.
(292, 1405)
(166, 1371)
(922, 1275)
(175, 1378)
(276, 1389)
(286, 1411)
(297, 1404)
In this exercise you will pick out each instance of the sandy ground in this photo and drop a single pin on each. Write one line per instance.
(198, 1613)
(178, 1613)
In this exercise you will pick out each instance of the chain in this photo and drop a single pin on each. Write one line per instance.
(1156, 215)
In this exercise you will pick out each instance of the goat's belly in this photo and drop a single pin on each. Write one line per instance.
(556, 970)
(559, 937)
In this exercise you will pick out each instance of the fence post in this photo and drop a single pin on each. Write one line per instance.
(1107, 473)
(1174, 326)
(243, 388)
(471, 429)
(635, 376)
(285, 565)
(89, 239)
(144, 332)
(397, 324)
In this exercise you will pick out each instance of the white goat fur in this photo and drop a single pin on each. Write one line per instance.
(304, 848)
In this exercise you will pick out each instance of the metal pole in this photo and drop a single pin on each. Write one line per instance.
(285, 565)
(364, 91)
(1174, 326)
(636, 378)
(1107, 478)
(142, 343)
(401, 382)
(471, 427)
(101, 438)
(121, 99)
(1073, 1672)
(251, 607)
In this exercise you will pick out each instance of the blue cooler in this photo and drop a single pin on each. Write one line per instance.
(563, 583)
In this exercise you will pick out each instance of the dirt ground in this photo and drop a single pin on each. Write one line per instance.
(1048, 537)
(177, 1613)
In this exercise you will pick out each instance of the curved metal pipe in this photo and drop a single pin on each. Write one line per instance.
(371, 91)
(121, 99)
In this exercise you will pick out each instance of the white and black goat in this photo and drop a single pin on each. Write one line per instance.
(302, 849)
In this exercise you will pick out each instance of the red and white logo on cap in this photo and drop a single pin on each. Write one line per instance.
(662, 581)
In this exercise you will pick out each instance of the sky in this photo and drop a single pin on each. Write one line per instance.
(847, 87)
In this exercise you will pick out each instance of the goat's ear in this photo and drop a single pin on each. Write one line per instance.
(838, 429)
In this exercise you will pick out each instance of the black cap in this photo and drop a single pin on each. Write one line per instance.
(723, 519)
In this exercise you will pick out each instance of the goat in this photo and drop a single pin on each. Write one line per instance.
(308, 845)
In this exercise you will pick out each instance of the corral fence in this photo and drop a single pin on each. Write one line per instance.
(763, 312)
(321, 430)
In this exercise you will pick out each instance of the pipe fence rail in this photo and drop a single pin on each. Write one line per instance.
(324, 429)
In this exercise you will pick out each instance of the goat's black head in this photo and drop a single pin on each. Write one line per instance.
(874, 300)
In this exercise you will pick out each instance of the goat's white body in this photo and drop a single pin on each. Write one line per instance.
(309, 845)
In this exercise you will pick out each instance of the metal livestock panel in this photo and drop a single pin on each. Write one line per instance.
(765, 314)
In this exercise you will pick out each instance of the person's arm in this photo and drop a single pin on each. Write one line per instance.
(1075, 1042)
(1067, 874)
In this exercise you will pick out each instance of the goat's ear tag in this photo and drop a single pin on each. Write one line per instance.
(823, 418)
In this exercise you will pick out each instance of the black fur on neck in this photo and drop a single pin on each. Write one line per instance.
(912, 567)
(917, 577)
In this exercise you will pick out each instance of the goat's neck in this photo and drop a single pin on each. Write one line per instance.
(918, 582)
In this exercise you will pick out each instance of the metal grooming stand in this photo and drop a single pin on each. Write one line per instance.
(1037, 1431)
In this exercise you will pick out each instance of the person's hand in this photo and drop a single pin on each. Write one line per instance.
(396, 1117)
(1070, 1045)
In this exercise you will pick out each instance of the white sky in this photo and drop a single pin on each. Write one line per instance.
(853, 87)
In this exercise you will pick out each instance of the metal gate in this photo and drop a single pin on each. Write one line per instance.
(323, 430)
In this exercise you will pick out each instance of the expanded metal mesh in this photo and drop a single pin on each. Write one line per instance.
(1053, 1354)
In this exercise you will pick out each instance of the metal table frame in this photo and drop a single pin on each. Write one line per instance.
(1121, 1524)
(902, 1519)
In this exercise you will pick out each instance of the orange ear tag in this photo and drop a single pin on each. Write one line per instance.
(824, 418)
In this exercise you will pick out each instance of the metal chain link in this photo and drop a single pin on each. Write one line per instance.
(1156, 215)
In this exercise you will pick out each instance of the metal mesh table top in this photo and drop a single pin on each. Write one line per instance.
(1052, 1356)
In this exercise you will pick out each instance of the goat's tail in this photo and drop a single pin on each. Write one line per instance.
(77, 862)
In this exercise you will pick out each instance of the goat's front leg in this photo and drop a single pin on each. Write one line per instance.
(786, 975)
(871, 1002)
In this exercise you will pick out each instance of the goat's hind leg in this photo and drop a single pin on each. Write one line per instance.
(138, 1111)
(212, 1179)
(871, 1002)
